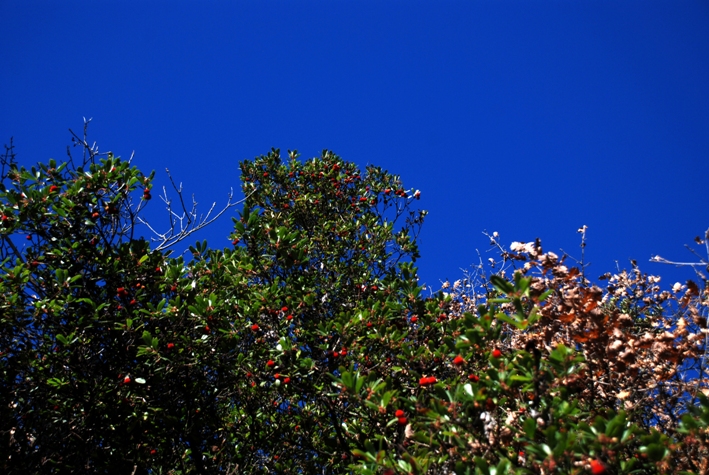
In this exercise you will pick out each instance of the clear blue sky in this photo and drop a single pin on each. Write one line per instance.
(526, 118)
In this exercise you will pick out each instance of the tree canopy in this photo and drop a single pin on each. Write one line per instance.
(308, 346)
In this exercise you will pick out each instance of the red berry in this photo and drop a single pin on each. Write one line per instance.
(270, 363)
(53, 188)
(254, 327)
(284, 309)
(474, 378)
(597, 467)
(402, 421)
(170, 346)
(399, 413)
(458, 360)
(289, 317)
(126, 380)
(286, 380)
(496, 353)
(414, 319)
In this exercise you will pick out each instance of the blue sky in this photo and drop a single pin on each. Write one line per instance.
(526, 118)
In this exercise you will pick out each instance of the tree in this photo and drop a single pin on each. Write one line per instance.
(308, 345)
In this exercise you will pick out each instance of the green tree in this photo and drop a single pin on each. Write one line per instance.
(117, 357)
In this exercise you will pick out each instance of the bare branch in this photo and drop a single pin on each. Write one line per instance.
(662, 260)
(702, 262)
(90, 151)
(182, 201)
(186, 223)
(7, 160)
(582, 230)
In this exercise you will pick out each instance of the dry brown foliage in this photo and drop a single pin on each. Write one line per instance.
(644, 347)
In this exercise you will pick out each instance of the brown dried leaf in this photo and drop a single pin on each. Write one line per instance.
(666, 337)
(625, 319)
(615, 346)
(627, 354)
(580, 338)
(567, 317)
(692, 288)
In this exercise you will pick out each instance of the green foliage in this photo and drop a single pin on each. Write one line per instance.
(306, 347)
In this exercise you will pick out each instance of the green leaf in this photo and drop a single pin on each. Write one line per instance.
(501, 284)
(655, 452)
(56, 382)
(520, 325)
(147, 338)
(530, 427)
(387, 397)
